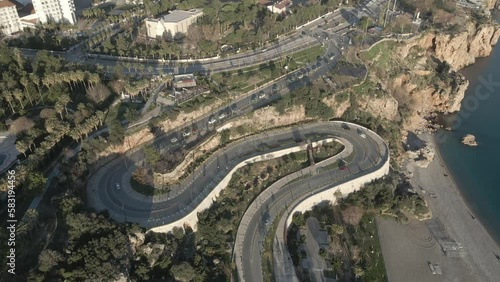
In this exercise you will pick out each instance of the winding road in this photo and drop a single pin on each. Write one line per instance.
(109, 188)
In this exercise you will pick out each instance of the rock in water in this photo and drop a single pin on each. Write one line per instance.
(469, 140)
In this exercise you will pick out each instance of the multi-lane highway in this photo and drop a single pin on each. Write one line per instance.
(333, 23)
(126, 204)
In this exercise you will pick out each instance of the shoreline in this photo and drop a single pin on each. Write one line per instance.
(442, 163)
(447, 204)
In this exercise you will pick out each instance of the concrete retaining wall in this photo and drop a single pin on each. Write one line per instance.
(345, 189)
(192, 218)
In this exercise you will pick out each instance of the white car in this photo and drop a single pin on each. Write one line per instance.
(361, 133)
(173, 140)
(221, 116)
(117, 186)
(186, 133)
(262, 95)
(212, 120)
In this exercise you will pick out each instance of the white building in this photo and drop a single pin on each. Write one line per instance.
(280, 7)
(175, 24)
(55, 10)
(9, 19)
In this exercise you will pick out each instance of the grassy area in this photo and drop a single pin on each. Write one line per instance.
(309, 55)
(117, 112)
(368, 87)
(353, 249)
(325, 151)
(248, 78)
(382, 52)
(365, 238)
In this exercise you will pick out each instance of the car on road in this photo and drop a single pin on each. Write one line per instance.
(262, 95)
(361, 133)
(117, 186)
(174, 140)
(222, 115)
(186, 133)
(342, 165)
(212, 120)
(345, 126)
(253, 98)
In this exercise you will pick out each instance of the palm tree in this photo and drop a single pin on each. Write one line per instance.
(25, 82)
(18, 95)
(8, 97)
(22, 147)
(64, 100)
(59, 107)
(36, 79)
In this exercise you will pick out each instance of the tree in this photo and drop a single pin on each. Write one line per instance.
(183, 272)
(21, 124)
(35, 183)
(131, 114)
(151, 154)
(116, 133)
(98, 93)
(352, 215)
(225, 136)
(48, 113)
(358, 271)
(48, 259)
(337, 229)
(298, 219)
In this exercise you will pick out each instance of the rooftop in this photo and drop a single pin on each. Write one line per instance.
(282, 4)
(180, 15)
(6, 3)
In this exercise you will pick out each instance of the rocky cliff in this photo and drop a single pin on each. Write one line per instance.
(430, 82)
(461, 48)
(490, 4)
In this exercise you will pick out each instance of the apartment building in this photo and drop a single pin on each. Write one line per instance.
(175, 24)
(55, 10)
(9, 19)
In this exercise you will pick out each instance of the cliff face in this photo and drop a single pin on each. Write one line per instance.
(427, 85)
(461, 49)
(490, 4)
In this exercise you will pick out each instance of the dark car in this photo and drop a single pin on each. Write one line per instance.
(345, 126)
(342, 165)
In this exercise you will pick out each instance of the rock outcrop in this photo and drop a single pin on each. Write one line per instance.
(422, 157)
(459, 49)
(431, 83)
(469, 140)
(490, 4)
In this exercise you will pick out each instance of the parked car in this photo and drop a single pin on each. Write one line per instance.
(117, 186)
(173, 140)
(212, 120)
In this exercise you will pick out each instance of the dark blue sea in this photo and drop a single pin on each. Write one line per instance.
(476, 170)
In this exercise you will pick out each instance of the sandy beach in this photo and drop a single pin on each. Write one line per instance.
(440, 191)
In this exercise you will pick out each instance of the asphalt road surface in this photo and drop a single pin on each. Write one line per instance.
(370, 154)
(338, 22)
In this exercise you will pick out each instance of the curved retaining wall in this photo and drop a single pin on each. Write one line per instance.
(345, 189)
(191, 219)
